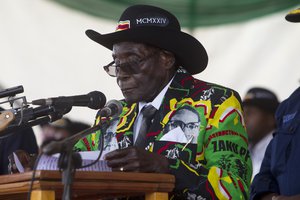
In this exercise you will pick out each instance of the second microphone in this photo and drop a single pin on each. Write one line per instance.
(94, 100)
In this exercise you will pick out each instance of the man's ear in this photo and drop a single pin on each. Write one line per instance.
(168, 59)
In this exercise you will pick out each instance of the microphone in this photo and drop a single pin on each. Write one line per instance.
(113, 108)
(33, 113)
(11, 91)
(29, 114)
(28, 117)
(94, 100)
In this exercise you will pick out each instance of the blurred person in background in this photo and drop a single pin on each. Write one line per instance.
(60, 129)
(278, 178)
(260, 105)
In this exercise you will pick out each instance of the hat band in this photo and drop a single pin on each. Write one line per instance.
(297, 11)
(123, 25)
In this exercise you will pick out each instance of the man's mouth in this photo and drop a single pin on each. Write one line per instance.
(127, 89)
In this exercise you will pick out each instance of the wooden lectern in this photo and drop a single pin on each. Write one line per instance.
(87, 185)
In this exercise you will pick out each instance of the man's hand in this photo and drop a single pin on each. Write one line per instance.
(133, 159)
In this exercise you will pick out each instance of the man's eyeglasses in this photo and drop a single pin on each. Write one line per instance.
(130, 67)
(177, 123)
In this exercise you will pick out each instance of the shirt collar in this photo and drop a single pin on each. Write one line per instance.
(158, 99)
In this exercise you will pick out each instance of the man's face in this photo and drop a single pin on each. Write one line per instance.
(188, 121)
(258, 123)
(150, 75)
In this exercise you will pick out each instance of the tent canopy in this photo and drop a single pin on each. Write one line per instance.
(192, 13)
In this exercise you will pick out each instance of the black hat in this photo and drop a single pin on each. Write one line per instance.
(261, 98)
(159, 28)
(293, 16)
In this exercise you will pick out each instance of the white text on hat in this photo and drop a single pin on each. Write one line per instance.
(151, 20)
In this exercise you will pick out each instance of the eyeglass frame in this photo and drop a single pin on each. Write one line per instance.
(183, 125)
(129, 63)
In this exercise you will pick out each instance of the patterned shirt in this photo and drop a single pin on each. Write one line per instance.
(200, 129)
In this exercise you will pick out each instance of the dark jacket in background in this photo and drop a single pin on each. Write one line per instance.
(279, 171)
(20, 140)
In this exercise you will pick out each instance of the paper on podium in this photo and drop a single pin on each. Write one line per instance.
(50, 162)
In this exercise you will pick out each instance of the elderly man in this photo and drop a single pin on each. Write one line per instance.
(153, 62)
(278, 178)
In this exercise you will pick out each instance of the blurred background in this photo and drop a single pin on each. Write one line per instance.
(44, 48)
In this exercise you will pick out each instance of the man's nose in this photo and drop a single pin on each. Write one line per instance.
(122, 73)
(122, 76)
(183, 127)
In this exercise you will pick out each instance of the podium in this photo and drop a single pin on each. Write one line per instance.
(87, 185)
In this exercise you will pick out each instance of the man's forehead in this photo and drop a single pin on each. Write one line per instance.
(254, 109)
(131, 48)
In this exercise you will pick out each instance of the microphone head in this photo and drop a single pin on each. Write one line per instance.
(97, 100)
(116, 106)
(113, 108)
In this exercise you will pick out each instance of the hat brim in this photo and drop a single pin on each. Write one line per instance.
(293, 16)
(188, 50)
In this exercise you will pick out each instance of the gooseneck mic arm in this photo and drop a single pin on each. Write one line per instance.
(68, 143)
(111, 109)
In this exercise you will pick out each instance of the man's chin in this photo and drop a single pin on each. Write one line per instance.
(129, 100)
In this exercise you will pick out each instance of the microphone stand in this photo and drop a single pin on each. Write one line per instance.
(67, 163)
(68, 160)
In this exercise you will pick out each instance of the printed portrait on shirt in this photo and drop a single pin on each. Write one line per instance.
(187, 120)
(110, 141)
